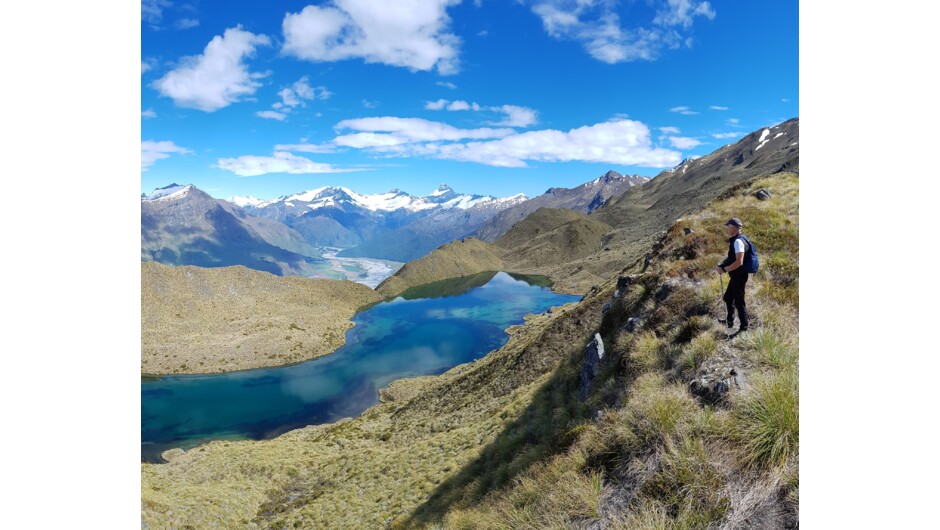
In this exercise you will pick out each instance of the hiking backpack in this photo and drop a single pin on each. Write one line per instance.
(750, 256)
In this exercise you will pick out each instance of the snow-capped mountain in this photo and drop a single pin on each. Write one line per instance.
(171, 192)
(339, 216)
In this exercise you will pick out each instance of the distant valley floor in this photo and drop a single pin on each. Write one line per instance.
(367, 271)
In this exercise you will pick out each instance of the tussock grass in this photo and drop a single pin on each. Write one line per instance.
(767, 420)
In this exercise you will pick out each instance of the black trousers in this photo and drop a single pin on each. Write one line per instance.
(734, 298)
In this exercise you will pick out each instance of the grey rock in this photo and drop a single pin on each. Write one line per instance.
(593, 354)
(687, 231)
(762, 194)
(631, 324)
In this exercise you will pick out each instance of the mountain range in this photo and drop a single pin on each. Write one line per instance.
(183, 225)
(394, 226)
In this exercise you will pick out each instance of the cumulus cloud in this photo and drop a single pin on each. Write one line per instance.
(618, 141)
(624, 142)
(151, 151)
(682, 142)
(515, 115)
(388, 130)
(281, 162)
(149, 113)
(410, 33)
(436, 105)
(597, 26)
(669, 130)
(717, 107)
(271, 115)
(722, 136)
(218, 77)
(683, 110)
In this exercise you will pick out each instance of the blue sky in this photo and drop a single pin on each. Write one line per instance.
(492, 97)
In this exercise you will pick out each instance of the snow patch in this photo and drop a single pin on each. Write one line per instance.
(763, 138)
(170, 193)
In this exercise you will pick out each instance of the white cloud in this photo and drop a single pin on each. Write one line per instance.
(669, 130)
(717, 107)
(734, 121)
(149, 113)
(596, 25)
(446, 84)
(281, 162)
(395, 131)
(683, 110)
(151, 151)
(304, 147)
(436, 105)
(463, 105)
(218, 77)
(186, 23)
(409, 33)
(682, 142)
(271, 115)
(151, 11)
(515, 116)
(682, 12)
(785, 100)
(369, 104)
(147, 65)
(623, 142)
(722, 136)
(295, 95)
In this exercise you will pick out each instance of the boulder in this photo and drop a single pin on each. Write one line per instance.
(762, 194)
(687, 231)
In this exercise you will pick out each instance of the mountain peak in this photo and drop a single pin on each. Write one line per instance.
(172, 191)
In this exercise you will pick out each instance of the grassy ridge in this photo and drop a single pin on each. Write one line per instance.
(210, 320)
(643, 451)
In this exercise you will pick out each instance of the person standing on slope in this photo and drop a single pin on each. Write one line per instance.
(738, 246)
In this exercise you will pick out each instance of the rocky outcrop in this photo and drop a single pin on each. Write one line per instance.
(593, 354)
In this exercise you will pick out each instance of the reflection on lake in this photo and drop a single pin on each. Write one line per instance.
(439, 327)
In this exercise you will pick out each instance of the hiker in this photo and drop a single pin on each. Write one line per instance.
(734, 265)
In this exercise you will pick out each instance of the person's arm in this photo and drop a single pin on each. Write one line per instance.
(738, 262)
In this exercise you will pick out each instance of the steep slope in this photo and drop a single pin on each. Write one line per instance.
(416, 239)
(460, 258)
(584, 198)
(637, 217)
(198, 320)
(508, 441)
(550, 237)
(182, 225)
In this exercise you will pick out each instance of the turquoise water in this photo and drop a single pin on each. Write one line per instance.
(452, 323)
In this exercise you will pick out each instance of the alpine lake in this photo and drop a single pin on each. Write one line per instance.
(424, 331)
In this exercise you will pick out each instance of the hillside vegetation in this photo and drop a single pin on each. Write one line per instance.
(507, 441)
(460, 258)
(209, 320)
(577, 252)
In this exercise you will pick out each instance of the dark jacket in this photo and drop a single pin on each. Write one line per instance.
(731, 255)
